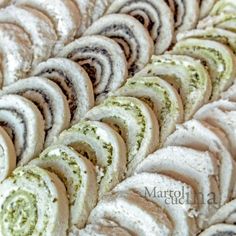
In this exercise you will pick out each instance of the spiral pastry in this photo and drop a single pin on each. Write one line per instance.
(117, 206)
(220, 229)
(211, 33)
(78, 176)
(136, 123)
(49, 99)
(201, 136)
(36, 25)
(223, 6)
(33, 202)
(15, 47)
(64, 15)
(187, 75)
(220, 60)
(156, 17)
(103, 60)
(130, 34)
(160, 96)
(103, 147)
(23, 123)
(8, 155)
(73, 81)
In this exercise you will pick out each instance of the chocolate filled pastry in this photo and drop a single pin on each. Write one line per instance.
(156, 17)
(130, 34)
(73, 81)
(49, 99)
(102, 59)
(24, 124)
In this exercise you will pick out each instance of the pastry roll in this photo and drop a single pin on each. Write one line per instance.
(220, 229)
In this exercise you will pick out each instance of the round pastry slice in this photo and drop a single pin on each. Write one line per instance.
(37, 25)
(205, 7)
(15, 48)
(195, 168)
(103, 228)
(73, 81)
(160, 96)
(223, 6)
(186, 14)
(78, 176)
(103, 60)
(63, 13)
(102, 146)
(220, 229)
(187, 75)
(161, 190)
(99, 8)
(212, 33)
(156, 17)
(136, 123)
(220, 60)
(203, 137)
(221, 114)
(130, 34)
(7, 155)
(33, 202)
(127, 208)
(49, 99)
(226, 214)
(24, 124)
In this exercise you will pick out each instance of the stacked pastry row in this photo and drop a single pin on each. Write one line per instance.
(116, 136)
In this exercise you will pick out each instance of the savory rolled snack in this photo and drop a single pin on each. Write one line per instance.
(156, 17)
(220, 229)
(205, 7)
(15, 48)
(174, 197)
(127, 208)
(219, 58)
(187, 75)
(221, 114)
(49, 99)
(8, 155)
(73, 81)
(212, 33)
(78, 176)
(130, 34)
(203, 137)
(195, 168)
(36, 25)
(136, 123)
(24, 124)
(64, 15)
(33, 202)
(160, 96)
(103, 147)
(102, 59)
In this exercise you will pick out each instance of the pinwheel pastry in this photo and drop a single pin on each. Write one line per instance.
(160, 96)
(126, 208)
(8, 155)
(203, 137)
(219, 59)
(64, 15)
(156, 17)
(196, 168)
(133, 38)
(36, 25)
(103, 60)
(73, 81)
(136, 123)
(187, 75)
(78, 176)
(33, 202)
(15, 48)
(24, 124)
(151, 186)
(103, 147)
(49, 99)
